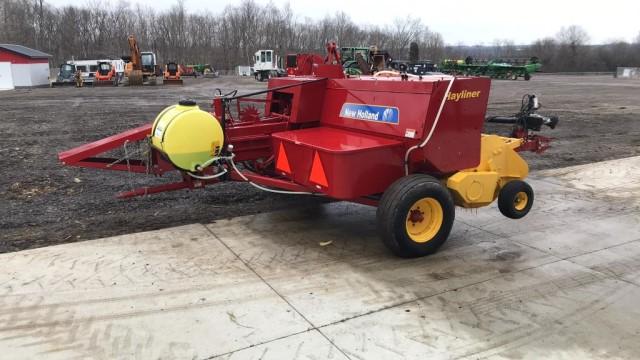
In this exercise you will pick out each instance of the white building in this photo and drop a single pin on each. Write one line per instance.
(28, 67)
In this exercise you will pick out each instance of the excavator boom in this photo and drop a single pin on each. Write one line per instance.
(136, 61)
(135, 75)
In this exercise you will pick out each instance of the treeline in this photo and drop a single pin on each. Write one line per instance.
(230, 37)
(226, 39)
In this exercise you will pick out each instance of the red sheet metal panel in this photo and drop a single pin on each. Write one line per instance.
(406, 110)
(302, 103)
(455, 144)
(361, 105)
(354, 164)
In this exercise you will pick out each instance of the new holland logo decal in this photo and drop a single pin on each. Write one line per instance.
(383, 114)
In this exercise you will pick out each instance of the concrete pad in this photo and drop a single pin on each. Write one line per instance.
(622, 261)
(558, 310)
(588, 235)
(175, 293)
(310, 345)
(621, 173)
(356, 274)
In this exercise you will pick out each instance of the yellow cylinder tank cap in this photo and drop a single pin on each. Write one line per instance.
(187, 102)
(187, 136)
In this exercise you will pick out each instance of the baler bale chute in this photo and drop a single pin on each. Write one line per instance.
(412, 146)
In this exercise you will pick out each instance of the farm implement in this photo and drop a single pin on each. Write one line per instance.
(196, 70)
(495, 69)
(412, 146)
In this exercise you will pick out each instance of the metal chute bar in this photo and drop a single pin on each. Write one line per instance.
(527, 120)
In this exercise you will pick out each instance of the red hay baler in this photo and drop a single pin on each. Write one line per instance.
(412, 146)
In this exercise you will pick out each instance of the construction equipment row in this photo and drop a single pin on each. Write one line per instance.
(138, 68)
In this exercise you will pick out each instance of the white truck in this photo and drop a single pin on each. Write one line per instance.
(266, 65)
(245, 70)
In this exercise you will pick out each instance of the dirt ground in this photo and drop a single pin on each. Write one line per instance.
(44, 203)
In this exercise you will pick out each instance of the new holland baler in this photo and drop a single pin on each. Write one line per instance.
(412, 146)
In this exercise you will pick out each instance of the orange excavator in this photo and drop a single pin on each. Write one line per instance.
(172, 74)
(141, 66)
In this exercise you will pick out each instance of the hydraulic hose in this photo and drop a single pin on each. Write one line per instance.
(233, 165)
(433, 127)
(208, 177)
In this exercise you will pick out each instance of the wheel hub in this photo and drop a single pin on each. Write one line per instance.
(521, 200)
(424, 220)
(416, 216)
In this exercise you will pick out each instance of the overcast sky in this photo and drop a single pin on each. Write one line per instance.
(461, 21)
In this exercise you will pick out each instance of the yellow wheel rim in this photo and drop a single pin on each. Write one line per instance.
(521, 201)
(424, 220)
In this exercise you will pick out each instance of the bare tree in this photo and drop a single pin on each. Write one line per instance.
(403, 32)
(433, 45)
(546, 51)
(572, 41)
(414, 52)
(573, 35)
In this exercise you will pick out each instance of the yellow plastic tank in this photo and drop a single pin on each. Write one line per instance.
(188, 136)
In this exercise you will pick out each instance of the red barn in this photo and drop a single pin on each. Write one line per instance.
(28, 67)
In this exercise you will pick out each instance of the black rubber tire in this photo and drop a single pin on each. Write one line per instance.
(527, 76)
(507, 198)
(396, 203)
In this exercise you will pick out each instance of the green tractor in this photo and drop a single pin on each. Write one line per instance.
(204, 70)
(353, 58)
(363, 60)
